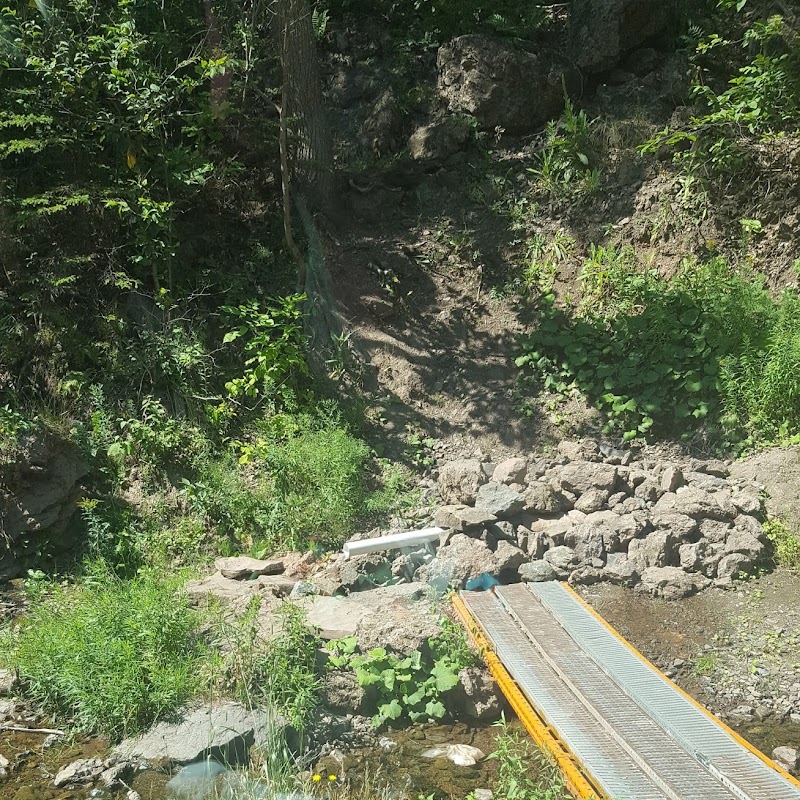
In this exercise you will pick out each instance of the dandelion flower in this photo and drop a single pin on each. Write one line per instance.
(331, 777)
(316, 777)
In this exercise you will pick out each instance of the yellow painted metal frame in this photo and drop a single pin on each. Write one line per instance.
(579, 783)
(768, 761)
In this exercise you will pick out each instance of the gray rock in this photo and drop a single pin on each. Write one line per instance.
(620, 531)
(394, 617)
(679, 524)
(712, 530)
(586, 576)
(672, 583)
(224, 732)
(657, 549)
(587, 542)
(39, 490)
(731, 565)
(745, 522)
(537, 572)
(239, 567)
(715, 467)
(621, 570)
(748, 501)
(82, 771)
(537, 544)
(602, 31)
(615, 499)
(777, 469)
(512, 470)
(463, 518)
(541, 498)
(592, 500)
(744, 542)
(648, 490)
(557, 531)
(476, 695)
(710, 483)
(460, 560)
(561, 558)
(498, 499)
(786, 758)
(697, 503)
(690, 556)
(508, 557)
(581, 476)
(671, 479)
(460, 480)
(440, 139)
(499, 84)
(341, 693)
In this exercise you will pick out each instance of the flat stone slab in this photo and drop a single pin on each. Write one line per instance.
(241, 567)
(396, 617)
(462, 518)
(224, 732)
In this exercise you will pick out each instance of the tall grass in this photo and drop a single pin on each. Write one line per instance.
(109, 655)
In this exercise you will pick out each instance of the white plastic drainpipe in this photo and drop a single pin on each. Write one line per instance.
(394, 541)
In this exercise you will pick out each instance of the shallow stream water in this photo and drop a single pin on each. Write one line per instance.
(396, 767)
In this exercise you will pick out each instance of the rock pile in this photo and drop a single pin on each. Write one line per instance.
(594, 513)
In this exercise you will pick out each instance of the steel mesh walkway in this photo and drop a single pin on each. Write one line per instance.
(633, 732)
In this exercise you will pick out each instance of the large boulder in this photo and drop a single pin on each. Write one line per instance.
(499, 84)
(440, 139)
(460, 480)
(581, 476)
(462, 518)
(476, 695)
(537, 572)
(461, 559)
(778, 470)
(672, 583)
(602, 31)
(541, 498)
(224, 732)
(39, 489)
(499, 499)
(512, 470)
(395, 617)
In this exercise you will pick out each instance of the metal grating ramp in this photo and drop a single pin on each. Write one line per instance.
(707, 741)
(623, 721)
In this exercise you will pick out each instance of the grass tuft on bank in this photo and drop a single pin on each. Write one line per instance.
(109, 655)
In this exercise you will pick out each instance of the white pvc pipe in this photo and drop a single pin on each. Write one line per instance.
(394, 541)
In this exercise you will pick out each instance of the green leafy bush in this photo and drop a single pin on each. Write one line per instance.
(408, 687)
(299, 481)
(761, 97)
(109, 656)
(652, 353)
(427, 22)
(785, 542)
(567, 164)
(523, 772)
(273, 344)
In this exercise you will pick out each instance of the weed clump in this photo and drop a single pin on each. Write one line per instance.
(785, 542)
(659, 355)
(108, 655)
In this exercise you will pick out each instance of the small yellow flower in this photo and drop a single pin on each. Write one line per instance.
(316, 777)
(331, 777)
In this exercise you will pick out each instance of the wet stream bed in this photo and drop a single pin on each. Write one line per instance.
(395, 766)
